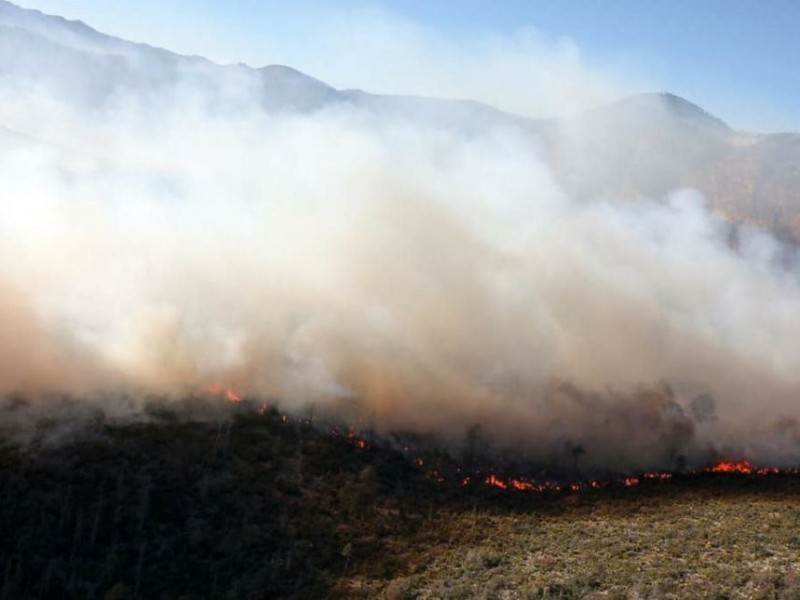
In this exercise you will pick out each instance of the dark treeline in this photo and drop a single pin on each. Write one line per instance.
(251, 506)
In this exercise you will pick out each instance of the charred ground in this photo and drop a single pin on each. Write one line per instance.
(256, 504)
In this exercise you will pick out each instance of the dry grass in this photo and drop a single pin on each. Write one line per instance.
(695, 542)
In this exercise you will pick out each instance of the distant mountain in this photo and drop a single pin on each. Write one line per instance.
(640, 146)
(85, 66)
(643, 146)
(649, 144)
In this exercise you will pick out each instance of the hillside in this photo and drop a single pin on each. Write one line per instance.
(648, 145)
(265, 338)
(254, 504)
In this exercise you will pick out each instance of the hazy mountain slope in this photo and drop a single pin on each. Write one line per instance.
(81, 65)
(643, 146)
(465, 116)
(72, 34)
(650, 144)
(756, 180)
(282, 87)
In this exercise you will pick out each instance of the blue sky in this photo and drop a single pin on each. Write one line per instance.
(736, 58)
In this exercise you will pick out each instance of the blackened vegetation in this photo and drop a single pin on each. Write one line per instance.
(253, 504)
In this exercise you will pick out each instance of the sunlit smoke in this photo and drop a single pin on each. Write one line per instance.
(416, 276)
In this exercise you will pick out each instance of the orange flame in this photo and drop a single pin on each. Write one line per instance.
(658, 476)
(217, 389)
(773, 471)
(743, 467)
(521, 485)
(496, 482)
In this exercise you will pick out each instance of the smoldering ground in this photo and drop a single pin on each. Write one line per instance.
(424, 277)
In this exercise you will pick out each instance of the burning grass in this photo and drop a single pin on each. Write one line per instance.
(253, 503)
(744, 467)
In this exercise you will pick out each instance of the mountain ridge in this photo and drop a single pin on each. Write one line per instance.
(34, 16)
(641, 146)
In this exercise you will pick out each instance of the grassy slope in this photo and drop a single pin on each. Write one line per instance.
(701, 540)
(252, 507)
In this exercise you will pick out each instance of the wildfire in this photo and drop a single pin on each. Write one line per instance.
(529, 485)
(358, 442)
(494, 481)
(520, 484)
(775, 471)
(217, 389)
(658, 476)
(743, 468)
(526, 485)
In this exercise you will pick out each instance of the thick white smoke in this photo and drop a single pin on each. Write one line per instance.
(419, 276)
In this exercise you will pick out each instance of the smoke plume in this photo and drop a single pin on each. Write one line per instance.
(421, 277)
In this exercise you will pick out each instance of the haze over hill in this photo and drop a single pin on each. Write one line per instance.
(425, 264)
(747, 177)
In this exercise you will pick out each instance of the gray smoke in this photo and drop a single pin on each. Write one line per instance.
(379, 266)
